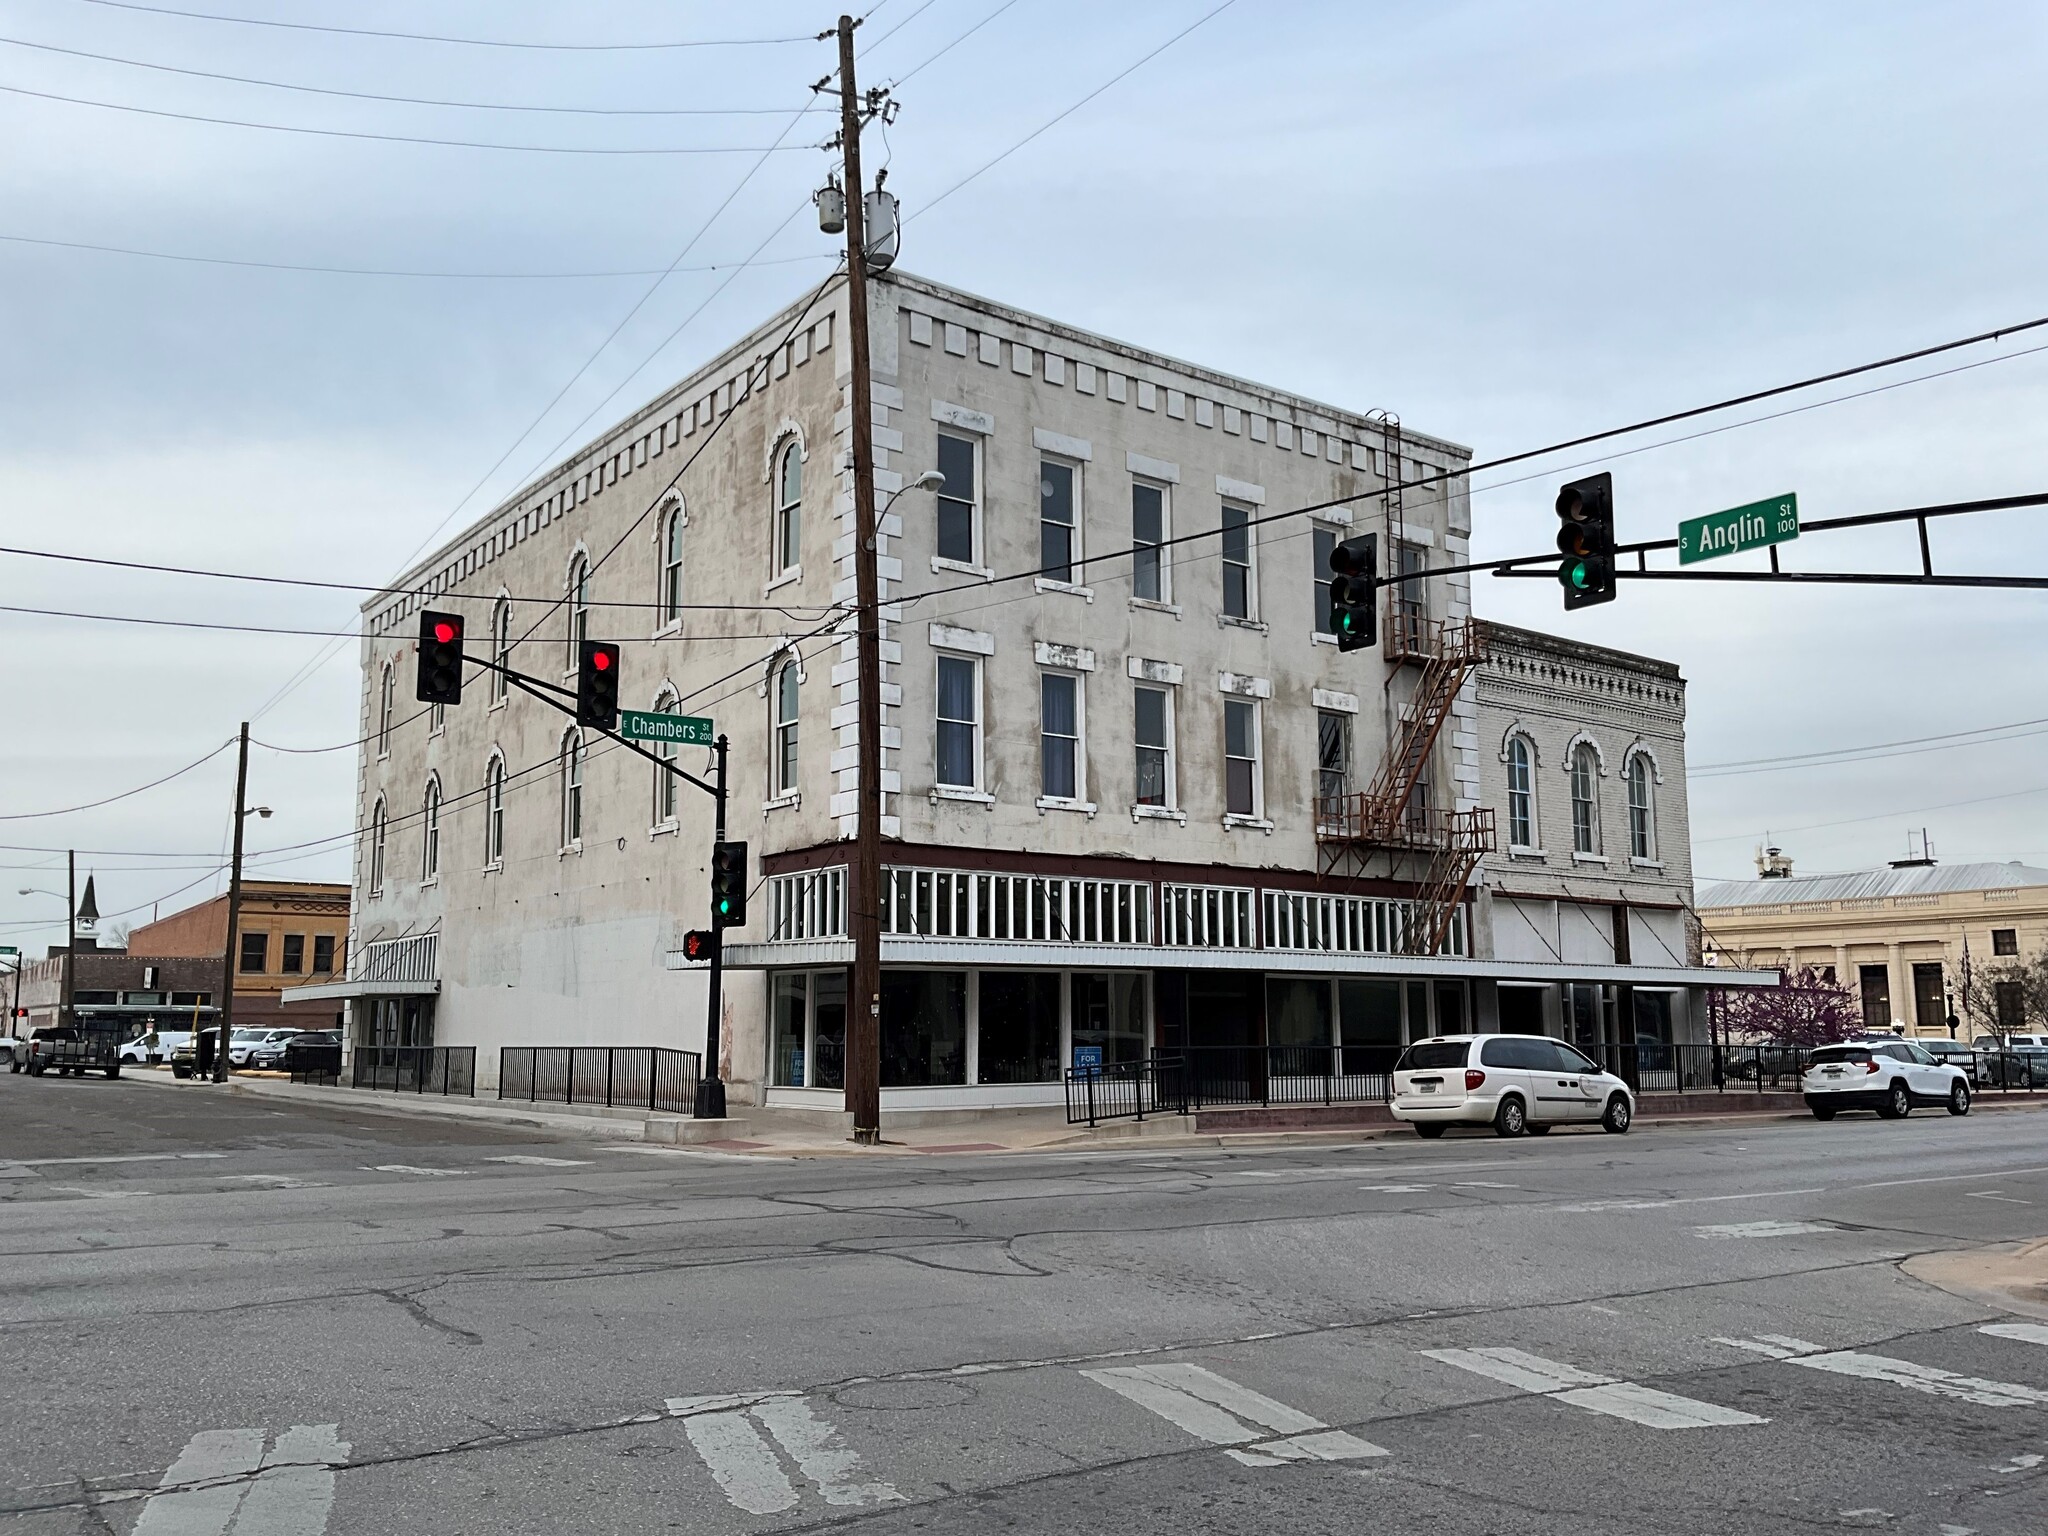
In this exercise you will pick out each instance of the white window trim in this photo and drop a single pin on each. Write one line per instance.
(977, 790)
(1077, 549)
(677, 511)
(501, 689)
(1251, 619)
(788, 439)
(380, 845)
(387, 707)
(977, 541)
(1652, 857)
(430, 832)
(493, 860)
(778, 791)
(666, 701)
(1078, 801)
(1072, 589)
(1164, 487)
(1257, 817)
(1321, 524)
(1507, 748)
(580, 559)
(1171, 811)
(794, 574)
(1579, 744)
(563, 757)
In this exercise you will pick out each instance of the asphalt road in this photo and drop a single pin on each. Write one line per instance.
(218, 1316)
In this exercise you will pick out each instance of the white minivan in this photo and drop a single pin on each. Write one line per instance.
(1514, 1083)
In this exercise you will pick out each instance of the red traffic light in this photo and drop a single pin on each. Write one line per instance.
(601, 660)
(444, 631)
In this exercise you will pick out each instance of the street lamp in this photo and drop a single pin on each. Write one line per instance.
(930, 480)
(64, 1013)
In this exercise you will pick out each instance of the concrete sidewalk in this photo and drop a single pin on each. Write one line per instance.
(761, 1132)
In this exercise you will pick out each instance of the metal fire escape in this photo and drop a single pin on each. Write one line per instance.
(1391, 828)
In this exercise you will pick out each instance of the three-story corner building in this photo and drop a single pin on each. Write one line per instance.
(1134, 797)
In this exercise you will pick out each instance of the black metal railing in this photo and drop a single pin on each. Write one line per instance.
(442, 1069)
(1289, 1074)
(1126, 1090)
(617, 1076)
(318, 1063)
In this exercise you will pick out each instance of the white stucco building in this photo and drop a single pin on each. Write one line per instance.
(1132, 801)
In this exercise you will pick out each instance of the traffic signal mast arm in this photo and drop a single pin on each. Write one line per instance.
(533, 685)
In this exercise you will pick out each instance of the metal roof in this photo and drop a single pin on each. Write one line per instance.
(1926, 880)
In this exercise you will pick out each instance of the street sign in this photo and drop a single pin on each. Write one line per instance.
(8, 949)
(671, 730)
(1739, 528)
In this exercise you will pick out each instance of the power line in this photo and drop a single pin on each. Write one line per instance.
(934, 58)
(1443, 477)
(329, 271)
(1911, 810)
(93, 805)
(410, 101)
(395, 138)
(276, 629)
(467, 42)
(1800, 759)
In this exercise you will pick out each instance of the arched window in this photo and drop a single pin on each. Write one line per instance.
(572, 789)
(494, 811)
(387, 696)
(579, 611)
(672, 566)
(1521, 795)
(664, 781)
(501, 645)
(1642, 809)
(430, 832)
(789, 495)
(783, 752)
(377, 849)
(1585, 799)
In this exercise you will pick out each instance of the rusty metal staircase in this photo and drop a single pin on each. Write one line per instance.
(1393, 817)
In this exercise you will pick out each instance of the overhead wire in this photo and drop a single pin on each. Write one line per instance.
(273, 629)
(432, 37)
(93, 805)
(1983, 735)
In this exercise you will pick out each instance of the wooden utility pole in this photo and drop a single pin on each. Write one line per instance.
(864, 910)
(68, 1014)
(226, 1016)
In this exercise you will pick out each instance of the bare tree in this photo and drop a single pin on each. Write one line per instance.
(2008, 997)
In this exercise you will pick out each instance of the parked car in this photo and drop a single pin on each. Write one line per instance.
(1514, 1083)
(1955, 1053)
(2016, 1066)
(243, 1042)
(185, 1058)
(15, 1050)
(1767, 1063)
(268, 1055)
(143, 1050)
(1889, 1076)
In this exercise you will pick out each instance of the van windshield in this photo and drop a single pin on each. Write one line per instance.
(1433, 1055)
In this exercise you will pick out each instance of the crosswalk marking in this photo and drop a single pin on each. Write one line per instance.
(1647, 1406)
(431, 1173)
(725, 1431)
(1764, 1229)
(1210, 1407)
(1903, 1373)
(531, 1161)
(2026, 1333)
(291, 1492)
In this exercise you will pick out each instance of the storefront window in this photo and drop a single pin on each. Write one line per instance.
(1418, 1011)
(828, 1029)
(791, 1006)
(1298, 1024)
(1109, 1017)
(1369, 1013)
(924, 1028)
(1450, 1007)
(1020, 1027)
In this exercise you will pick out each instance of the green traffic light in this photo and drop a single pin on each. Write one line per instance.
(1577, 575)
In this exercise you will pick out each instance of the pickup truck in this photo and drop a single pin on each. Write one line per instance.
(62, 1048)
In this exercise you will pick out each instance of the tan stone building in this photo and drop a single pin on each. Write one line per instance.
(1895, 937)
(292, 932)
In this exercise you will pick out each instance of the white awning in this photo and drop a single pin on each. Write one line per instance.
(326, 990)
(968, 953)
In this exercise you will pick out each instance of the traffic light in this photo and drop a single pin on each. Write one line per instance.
(440, 680)
(1585, 537)
(729, 885)
(597, 684)
(1354, 591)
(700, 944)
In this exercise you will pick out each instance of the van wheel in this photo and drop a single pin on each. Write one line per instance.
(1428, 1132)
(1898, 1103)
(1959, 1099)
(1618, 1117)
(1511, 1119)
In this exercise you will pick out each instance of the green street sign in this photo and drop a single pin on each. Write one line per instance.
(668, 730)
(1739, 528)
(8, 949)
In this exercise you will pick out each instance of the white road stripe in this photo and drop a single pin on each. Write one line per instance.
(1765, 1229)
(1396, 1189)
(530, 1161)
(124, 1157)
(1647, 1406)
(1930, 1379)
(294, 1494)
(432, 1173)
(1193, 1399)
(178, 1508)
(741, 1462)
(268, 1180)
(2026, 1333)
(820, 1454)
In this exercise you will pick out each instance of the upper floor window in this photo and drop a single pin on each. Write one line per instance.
(2005, 941)
(1333, 762)
(1059, 528)
(255, 958)
(1322, 544)
(1642, 809)
(494, 811)
(501, 646)
(387, 697)
(789, 497)
(1155, 746)
(293, 961)
(672, 566)
(323, 954)
(1240, 757)
(430, 832)
(579, 611)
(959, 722)
(1521, 795)
(959, 504)
(1585, 773)
(783, 772)
(376, 870)
(1408, 605)
(1240, 591)
(1148, 532)
(666, 793)
(572, 789)
(1059, 736)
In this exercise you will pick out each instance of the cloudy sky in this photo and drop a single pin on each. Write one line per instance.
(1511, 223)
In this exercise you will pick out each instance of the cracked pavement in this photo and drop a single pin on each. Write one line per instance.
(1667, 1332)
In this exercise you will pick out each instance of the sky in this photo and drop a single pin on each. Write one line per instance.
(1510, 223)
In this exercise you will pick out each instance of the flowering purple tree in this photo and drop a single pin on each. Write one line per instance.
(1806, 1009)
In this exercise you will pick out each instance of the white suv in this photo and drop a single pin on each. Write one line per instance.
(1889, 1076)
(1514, 1083)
